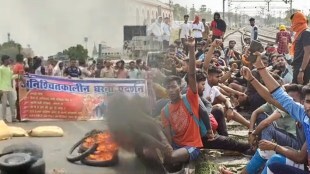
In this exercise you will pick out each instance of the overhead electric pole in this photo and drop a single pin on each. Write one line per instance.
(291, 6)
(223, 9)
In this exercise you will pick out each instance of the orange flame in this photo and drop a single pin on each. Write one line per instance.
(106, 149)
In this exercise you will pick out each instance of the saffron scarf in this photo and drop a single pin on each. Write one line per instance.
(299, 24)
(196, 21)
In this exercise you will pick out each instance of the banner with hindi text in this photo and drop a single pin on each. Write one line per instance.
(45, 98)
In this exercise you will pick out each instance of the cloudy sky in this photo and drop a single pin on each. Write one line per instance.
(216, 5)
(50, 26)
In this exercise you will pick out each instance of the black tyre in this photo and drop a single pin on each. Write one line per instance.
(15, 162)
(30, 148)
(73, 158)
(112, 162)
(37, 168)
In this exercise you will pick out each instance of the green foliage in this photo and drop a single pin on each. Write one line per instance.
(206, 167)
(78, 52)
(10, 48)
(179, 12)
(206, 14)
(203, 12)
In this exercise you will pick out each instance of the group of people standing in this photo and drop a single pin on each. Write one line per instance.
(198, 29)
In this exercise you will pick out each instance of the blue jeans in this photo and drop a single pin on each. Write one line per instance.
(258, 162)
(192, 151)
(285, 169)
(281, 137)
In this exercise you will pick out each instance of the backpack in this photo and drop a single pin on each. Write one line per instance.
(199, 122)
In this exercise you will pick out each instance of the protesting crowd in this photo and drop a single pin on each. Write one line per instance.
(204, 85)
(199, 84)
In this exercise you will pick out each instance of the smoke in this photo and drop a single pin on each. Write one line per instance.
(50, 26)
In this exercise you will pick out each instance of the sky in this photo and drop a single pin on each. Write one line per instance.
(216, 5)
(50, 26)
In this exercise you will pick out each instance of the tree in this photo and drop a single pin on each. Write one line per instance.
(78, 52)
(179, 12)
(205, 13)
(192, 12)
(10, 48)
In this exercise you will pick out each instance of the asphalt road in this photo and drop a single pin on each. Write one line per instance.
(55, 149)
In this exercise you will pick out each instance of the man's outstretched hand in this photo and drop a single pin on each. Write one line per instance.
(217, 43)
(246, 73)
(190, 42)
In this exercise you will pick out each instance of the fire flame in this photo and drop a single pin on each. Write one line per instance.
(106, 149)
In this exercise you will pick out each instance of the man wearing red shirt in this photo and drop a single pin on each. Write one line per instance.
(18, 68)
(218, 27)
(283, 40)
(180, 128)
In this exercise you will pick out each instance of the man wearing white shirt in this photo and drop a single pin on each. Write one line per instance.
(185, 32)
(166, 33)
(197, 28)
(156, 29)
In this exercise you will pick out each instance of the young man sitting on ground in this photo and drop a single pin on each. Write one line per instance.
(212, 92)
(301, 113)
(211, 141)
(276, 125)
(180, 128)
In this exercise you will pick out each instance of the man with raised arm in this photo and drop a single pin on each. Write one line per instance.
(180, 126)
(298, 111)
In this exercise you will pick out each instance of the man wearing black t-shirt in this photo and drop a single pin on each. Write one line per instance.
(301, 45)
(73, 70)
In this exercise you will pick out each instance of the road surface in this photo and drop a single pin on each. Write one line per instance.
(55, 149)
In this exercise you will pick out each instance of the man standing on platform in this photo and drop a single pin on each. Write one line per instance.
(254, 29)
(184, 33)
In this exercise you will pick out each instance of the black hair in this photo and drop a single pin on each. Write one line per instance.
(305, 91)
(94, 62)
(293, 88)
(82, 62)
(172, 78)
(273, 56)
(200, 76)
(218, 52)
(214, 70)
(232, 41)
(4, 57)
(121, 61)
(292, 16)
(252, 19)
(19, 58)
(217, 14)
(186, 16)
(138, 61)
(37, 62)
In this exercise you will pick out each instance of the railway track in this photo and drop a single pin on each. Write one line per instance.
(264, 35)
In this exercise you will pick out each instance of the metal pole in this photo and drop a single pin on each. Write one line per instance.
(291, 7)
(223, 9)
